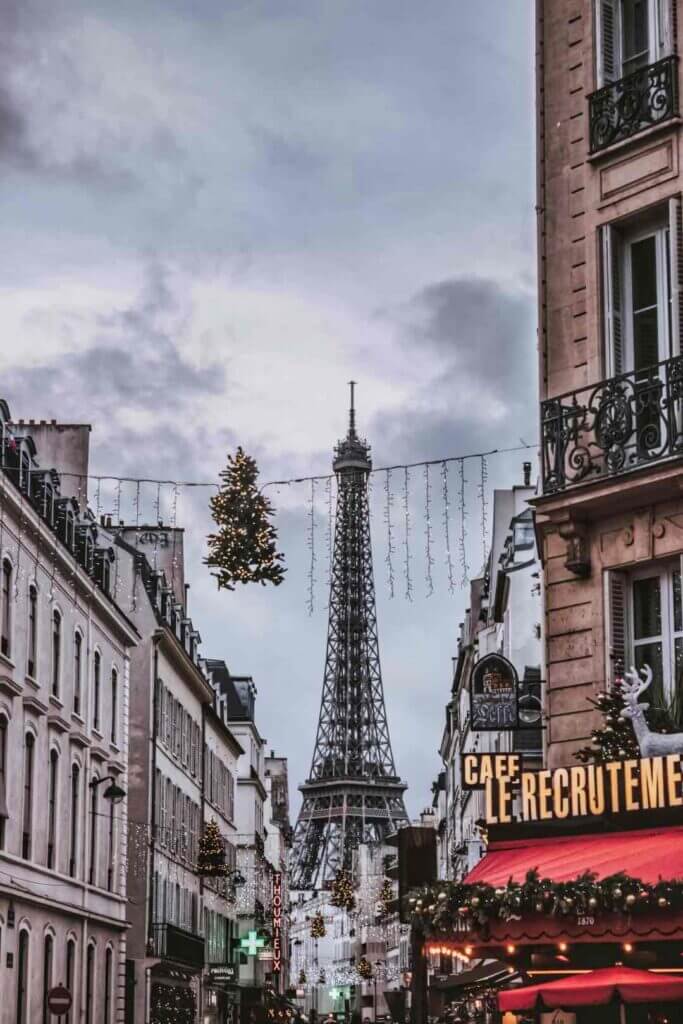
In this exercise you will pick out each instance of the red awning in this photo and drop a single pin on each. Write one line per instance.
(647, 854)
(595, 989)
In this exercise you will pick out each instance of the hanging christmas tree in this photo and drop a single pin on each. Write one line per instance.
(364, 968)
(302, 977)
(244, 550)
(386, 895)
(318, 926)
(211, 855)
(342, 892)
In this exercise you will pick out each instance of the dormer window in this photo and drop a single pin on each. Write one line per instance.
(25, 472)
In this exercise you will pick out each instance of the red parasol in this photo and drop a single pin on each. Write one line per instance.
(595, 989)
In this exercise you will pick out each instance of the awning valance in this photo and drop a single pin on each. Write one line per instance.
(596, 988)
(648, 855)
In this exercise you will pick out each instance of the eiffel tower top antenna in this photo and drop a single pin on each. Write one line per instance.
(352, 411)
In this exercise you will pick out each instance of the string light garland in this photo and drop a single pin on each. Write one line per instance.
(211, 856)
(446, 527)
(473, 906)
(329, 533)
(429, 561)
(386, 896)
(310, 604)
(483, 479)
(244, 550)
(388, 506)
(406, 541)
(462, 510)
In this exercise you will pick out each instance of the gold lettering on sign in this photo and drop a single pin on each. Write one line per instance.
(560, 798)
(630, 783)
(652, 782)
(674, 779)
(578, 791)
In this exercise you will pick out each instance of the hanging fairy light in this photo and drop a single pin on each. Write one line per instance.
(388, 506)
(446, 527)
(310, 604)
(429, 561)
(462, 510)
(406, 542)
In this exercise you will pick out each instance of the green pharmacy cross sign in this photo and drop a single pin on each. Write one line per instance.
(252, 943)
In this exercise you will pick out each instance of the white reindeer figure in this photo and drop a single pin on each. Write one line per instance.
(652, 744)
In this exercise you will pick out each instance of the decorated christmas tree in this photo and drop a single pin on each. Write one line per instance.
(342, 891)
(364, 968)
(614, 740)
(386, 895)
(211, 855)
(244, 550)
(318, 926)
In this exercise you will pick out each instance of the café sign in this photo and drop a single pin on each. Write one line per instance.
(493, 694)
(578, 791)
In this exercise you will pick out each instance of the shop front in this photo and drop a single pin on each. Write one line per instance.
(583, 874)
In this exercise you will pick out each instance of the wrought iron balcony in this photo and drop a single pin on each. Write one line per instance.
(612, 427)
(640, 100)
(173, 943)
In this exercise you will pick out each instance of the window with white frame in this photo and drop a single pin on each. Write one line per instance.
(645, 627)
(630, 35)
(6, 610)
(642, 291)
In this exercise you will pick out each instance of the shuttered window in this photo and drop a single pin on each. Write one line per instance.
(630, 35)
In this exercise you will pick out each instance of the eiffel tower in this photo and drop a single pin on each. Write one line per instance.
(353, 794)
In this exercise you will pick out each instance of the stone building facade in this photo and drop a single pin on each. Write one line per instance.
(610, 517)
(65, 651)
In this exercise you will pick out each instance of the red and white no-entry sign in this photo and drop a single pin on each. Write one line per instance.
(59, 1000)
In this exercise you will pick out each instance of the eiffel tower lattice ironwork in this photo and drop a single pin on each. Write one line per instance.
(353, 794)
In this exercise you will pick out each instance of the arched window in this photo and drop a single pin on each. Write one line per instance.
(56, 651)
(52, 807)
(90, 985)
(48, 956)
(22, 978)
(6, 610)
(3, 779)
(92, 872)
(27, 820)
(32, 631)
(97, 675)
(114, 704)
(78, 665)
(70, 972)
(108, 961)
(73, 837)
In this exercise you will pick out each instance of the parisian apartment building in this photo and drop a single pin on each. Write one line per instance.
(610, 513)
(117, 752)
(65, 656)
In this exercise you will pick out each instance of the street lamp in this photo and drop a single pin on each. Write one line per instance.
(377, 963)
(113, 792)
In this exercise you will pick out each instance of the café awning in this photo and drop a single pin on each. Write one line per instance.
(646, 854)
(596, 988)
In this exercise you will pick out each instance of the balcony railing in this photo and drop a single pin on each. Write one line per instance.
(612, 427)
(173, 943)
(643, 99)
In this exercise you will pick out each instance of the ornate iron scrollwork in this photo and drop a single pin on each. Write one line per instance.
(622, 109)
(612, 427)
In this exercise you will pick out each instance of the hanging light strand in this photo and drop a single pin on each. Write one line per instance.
(462, 509)
(406, 547)
(388, 506)
(483, 479)
(310, 604)
(446, 527)
(429, 560)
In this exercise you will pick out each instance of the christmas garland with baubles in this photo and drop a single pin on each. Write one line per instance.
(476, 905)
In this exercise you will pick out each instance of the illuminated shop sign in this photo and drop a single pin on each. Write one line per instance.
(578, 791)
(493, 694)
(277, 922)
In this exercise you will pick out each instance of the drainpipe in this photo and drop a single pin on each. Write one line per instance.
(153, 800)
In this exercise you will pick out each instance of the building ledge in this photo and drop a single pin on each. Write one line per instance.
(633, 141)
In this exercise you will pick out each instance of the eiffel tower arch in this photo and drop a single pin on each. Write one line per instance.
(353, 794)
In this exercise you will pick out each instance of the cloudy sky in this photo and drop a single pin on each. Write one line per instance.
(214, 214)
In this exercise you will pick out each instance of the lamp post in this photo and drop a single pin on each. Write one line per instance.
(378, 963)
(113, 792)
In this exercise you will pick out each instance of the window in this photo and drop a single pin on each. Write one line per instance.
(70, 972)
(6, 616)
(110, 848)
(92, 872)
(22, 978)
(90, 985)
(73, 838)
(631, 35)
(108, 960)
(32, 631)
(78, 660)
(3, 779)
(52, 808)
(646, 628)
(56, 651)
(47, 976)
(27, 819)
(97, 675)
(641, 293)
(114, 703)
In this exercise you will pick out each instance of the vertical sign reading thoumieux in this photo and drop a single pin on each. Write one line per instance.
(277, 923)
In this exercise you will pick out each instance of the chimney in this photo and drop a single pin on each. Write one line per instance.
(527, 474)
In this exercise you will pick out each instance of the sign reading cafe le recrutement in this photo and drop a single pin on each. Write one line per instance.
(493, 694)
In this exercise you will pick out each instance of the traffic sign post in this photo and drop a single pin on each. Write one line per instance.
(59, 1000)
